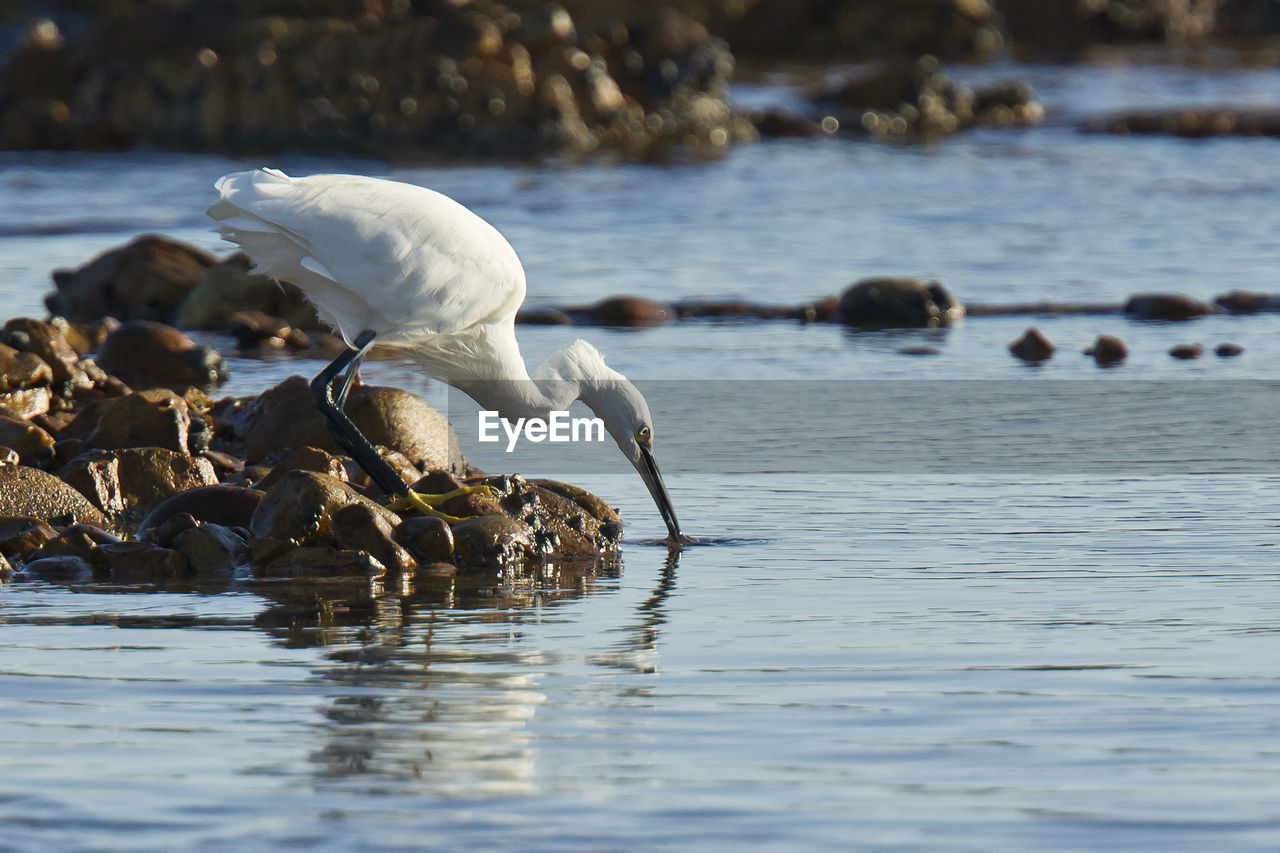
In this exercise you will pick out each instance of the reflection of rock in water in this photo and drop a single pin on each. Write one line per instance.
(404, 708)
(321, 611)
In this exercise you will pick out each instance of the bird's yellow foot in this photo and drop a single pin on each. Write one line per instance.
(429, 504)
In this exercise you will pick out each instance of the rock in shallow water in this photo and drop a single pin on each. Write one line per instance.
(146, 354)
(1032, 346)
(894, 303)
(145, 280)
(1166, 306)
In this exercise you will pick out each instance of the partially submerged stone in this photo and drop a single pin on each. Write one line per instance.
(1166, 306)
(1108, 350)
(889, 303)
(1032, 347)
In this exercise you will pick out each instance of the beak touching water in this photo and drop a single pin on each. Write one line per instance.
(648, 469)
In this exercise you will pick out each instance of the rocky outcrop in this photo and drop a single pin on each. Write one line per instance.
(371, 78)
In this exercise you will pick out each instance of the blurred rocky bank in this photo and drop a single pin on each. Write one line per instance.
(414, 78)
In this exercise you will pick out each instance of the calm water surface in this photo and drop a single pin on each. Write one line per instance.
(1033, 656)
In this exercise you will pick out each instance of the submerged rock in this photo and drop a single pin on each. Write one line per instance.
(1228, 350)
(1187, 352)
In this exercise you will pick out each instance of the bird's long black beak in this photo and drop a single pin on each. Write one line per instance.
(648, 469)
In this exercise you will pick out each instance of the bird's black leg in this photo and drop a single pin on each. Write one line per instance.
(340, 398)
(344, 432)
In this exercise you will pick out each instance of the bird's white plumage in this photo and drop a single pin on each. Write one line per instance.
(401, 260)
(425, 274)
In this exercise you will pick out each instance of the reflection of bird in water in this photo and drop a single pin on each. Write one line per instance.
(404, 266)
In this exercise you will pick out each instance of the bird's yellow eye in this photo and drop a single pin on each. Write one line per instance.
(644, 435)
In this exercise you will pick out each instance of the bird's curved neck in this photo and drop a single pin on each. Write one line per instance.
(493, 373)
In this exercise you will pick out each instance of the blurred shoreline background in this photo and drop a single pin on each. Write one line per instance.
(421, 79)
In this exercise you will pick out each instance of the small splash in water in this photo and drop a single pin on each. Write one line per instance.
(688, 541)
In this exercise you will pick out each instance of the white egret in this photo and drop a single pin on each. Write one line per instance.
(407, 267)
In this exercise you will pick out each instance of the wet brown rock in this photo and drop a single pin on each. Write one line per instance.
(229, 288)
(22, 370)
(1186, 352)
(368, 528)
(66, 569)
(1165, 306)
(1108, 349)
(229, 506)
(135, 481)
(33, 493)
(1228, 350)
(144, 280)
(258, 330)
(8, 456)
(823, 311)
(919, 351)
(597, 508)
(886, 303)
(305, 459)
(427, 538)
(730, 309)
(27, 403)
(80, 540)
(285, 417)
(32, 444)
(301, 505)
(156, 417)
(212, 551)
(146, 354)
(1244, 302)
(314, 561)
(626, 311)
(85, 338)
(1032, 346)
(142, 562)
(493, 540)
(23, 535)
(45, 341)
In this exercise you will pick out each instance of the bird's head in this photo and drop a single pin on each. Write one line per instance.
(626, 416)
